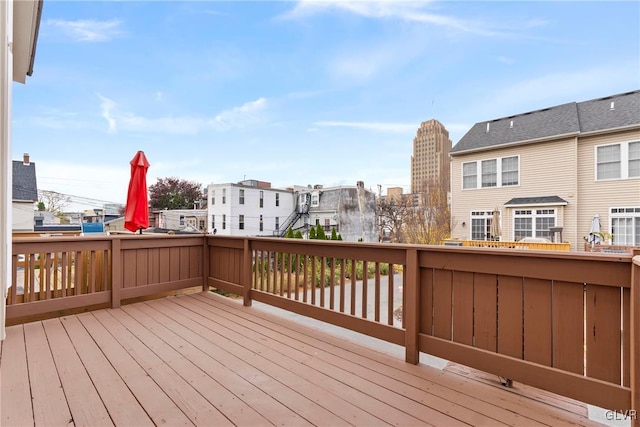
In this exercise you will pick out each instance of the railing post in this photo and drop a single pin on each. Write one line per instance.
(205, 264)
(634, 345)
(411, 308)
(116, 271)
(246, 273)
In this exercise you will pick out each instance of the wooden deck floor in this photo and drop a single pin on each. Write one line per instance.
(201, 359)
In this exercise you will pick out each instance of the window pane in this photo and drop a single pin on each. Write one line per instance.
(489, 173)
(469, 175)
(510, 171)
(608, 159)
(622, 231)
(634, 159)
(478, 229)
(522, 228)
(542, 226)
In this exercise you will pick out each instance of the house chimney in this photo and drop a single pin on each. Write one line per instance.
(25, 158)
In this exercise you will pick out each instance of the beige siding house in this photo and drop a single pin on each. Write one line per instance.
(551, 169)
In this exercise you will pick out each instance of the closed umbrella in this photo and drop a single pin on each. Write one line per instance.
(594, 236)
(495, 230)
(136, 216)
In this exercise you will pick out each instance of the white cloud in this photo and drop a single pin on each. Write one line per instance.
(88, 30)
(506, 60)
(250, 113)
(411, 11)
(373, 126)
(107, 107)
(246, 114)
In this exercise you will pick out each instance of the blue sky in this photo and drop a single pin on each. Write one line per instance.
(297, 92)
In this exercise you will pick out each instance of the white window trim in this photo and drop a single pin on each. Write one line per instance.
(624, 161)
(498, 173)
(534, 215)
(480, 214)
(612, 215)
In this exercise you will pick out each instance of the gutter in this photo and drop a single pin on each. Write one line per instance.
(38, 17)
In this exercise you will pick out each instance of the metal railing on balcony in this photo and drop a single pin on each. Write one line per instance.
(565, 322)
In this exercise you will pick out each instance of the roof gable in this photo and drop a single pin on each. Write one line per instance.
(25, 186)
(566, 119)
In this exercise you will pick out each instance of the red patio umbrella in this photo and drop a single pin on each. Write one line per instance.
(136, 216)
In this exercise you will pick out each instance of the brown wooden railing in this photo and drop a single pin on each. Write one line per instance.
(560, 321)
(566, 322)
(54, 274)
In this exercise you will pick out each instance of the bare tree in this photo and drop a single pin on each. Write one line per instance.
(429, 220)
(392, 211)
(53, 201)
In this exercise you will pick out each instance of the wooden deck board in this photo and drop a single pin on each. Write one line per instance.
(120, 402)
(48, 399)
(288, 388)
(422, 406)
(205, 360)
(15, 392)
(152, 398)
(84, 402)
(526, 411)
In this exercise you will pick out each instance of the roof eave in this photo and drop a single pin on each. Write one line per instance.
(26, 25)
(515, 205)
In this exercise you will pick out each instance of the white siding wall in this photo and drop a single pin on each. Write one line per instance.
(546, 169)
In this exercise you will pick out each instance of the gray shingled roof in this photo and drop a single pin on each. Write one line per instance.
(25, 187)
(566, 119)
(542, 200)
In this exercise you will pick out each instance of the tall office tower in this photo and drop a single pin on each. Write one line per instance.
(430, 159)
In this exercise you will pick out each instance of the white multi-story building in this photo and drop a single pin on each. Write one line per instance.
(253, 208)
(248, 208)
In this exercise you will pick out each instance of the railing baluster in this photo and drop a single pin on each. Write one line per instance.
(305, 278)
(353, 287)
(297, 277)
(32, 278)
(376, 306)
(342, 283)
(365, 287)
(322, 279)
(289, 267)
(390, 293)
(332, 283)
(281, 266)
(313, 280)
